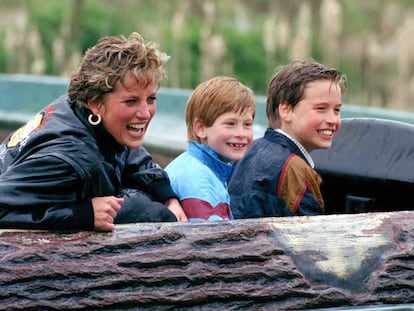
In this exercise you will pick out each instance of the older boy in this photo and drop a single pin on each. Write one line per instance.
(219, 118)
(276, 177)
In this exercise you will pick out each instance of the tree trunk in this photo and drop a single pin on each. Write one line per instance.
(287, 263)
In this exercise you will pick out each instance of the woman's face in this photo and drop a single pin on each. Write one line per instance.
(127, 111)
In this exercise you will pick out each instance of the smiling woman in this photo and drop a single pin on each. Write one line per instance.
(127, 111)
(79, 163)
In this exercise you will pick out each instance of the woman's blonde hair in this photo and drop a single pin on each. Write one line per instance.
(110, 61)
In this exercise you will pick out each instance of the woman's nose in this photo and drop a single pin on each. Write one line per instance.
(144, 111)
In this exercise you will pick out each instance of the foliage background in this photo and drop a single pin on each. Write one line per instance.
(370, 41)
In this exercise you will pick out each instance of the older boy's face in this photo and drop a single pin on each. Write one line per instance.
(316, 118)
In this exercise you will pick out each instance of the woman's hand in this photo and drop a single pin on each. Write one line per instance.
(175, 207)
(105, 210)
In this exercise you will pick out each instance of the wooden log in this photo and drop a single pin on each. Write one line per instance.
(291, 263)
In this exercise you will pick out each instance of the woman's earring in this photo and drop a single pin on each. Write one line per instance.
(94, 119)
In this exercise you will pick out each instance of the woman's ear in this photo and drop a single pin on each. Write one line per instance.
(94, 106)
(199, 128)
(285, 111)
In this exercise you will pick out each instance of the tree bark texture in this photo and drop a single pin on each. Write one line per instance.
(291, 263)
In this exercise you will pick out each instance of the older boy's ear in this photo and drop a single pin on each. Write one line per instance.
(199, 128)
(285, 111)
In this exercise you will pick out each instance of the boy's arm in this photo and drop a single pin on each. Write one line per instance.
(299, 187)
(175, 207)
(198, 209)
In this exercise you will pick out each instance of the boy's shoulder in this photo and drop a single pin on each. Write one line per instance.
(270, 142)
(185, 164)
(270, 154)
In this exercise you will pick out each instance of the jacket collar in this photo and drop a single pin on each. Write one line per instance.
(288, 142)
(300, 146)
(211, 159)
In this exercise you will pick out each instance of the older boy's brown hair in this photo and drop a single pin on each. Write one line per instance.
(288, 84)
(214, 97)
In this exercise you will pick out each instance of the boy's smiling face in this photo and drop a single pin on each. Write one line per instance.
(316, 118)
(230, 135)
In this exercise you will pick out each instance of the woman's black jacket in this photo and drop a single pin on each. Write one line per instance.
(53, 166)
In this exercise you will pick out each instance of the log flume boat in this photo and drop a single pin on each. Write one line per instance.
(294, 263)
(359, 255)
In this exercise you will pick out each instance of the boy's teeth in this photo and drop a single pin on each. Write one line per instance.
(327, 132)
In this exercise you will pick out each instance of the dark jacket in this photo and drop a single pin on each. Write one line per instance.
(274, 179)
(53, 166)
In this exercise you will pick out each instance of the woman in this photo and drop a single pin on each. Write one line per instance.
(79, 164)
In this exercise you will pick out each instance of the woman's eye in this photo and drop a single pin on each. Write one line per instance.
(130, 101)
